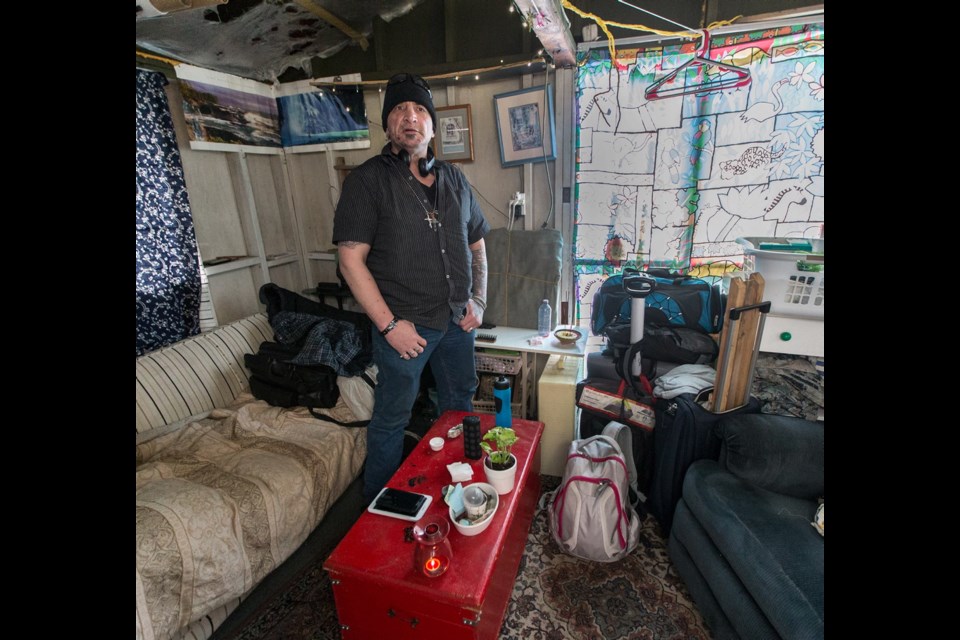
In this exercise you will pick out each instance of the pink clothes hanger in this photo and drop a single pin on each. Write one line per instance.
(700, 62)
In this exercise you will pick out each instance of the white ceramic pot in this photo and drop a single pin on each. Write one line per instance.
(502, 481)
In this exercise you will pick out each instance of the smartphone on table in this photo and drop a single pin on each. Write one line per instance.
(398, 503)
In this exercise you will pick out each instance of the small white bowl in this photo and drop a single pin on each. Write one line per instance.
(436, 444)
(480, 527)
(567, 337)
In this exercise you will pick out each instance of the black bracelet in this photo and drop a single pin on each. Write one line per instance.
(390, 327)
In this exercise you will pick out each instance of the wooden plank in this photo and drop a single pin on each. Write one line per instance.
(746, 342)
(735, 297)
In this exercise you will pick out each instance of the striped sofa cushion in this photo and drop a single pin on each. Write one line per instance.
(196, 375)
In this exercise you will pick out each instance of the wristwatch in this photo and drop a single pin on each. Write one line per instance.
(390, 327)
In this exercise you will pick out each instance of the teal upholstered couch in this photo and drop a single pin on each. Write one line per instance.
(742, 535)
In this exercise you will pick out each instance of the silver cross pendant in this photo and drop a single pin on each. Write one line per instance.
(432, 220)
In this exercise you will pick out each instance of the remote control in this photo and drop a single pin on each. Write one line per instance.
(486, 337)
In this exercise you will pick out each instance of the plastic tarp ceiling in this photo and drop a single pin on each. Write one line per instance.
(261, 39)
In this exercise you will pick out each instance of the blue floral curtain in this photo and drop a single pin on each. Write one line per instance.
(168, 266)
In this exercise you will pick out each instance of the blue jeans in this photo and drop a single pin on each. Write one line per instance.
(450, 354)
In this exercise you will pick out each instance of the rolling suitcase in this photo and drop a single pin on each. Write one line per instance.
(684, 434)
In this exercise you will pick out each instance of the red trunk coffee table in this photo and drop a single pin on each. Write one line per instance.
(378, 592)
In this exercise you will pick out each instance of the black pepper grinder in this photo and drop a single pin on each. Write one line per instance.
(471, 437)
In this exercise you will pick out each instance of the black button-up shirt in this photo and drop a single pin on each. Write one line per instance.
(423, 274)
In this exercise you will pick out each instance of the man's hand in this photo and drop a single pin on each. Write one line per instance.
(472, 317)
(405, 340)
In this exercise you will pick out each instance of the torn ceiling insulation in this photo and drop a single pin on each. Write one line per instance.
(258, 39)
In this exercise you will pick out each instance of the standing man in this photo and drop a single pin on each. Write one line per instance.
(409, 237)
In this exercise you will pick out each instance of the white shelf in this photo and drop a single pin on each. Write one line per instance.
(518, 339)
(233, 265)
(287, 258)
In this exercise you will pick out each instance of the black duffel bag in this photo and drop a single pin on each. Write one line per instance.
(682, 345)
(284, 384)
(660, 343)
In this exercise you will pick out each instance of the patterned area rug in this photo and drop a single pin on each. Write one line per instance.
(556, 597)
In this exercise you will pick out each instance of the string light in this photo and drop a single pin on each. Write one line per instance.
(476, 77)
(359, 85)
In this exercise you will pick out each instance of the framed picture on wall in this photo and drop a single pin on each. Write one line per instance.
(454, 136)
(525, 126)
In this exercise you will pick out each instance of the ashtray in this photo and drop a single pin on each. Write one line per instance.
(455, 431)
(567, 336)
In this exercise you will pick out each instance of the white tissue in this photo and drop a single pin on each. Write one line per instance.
(460, 471)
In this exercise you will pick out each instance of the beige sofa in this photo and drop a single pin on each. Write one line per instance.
(228, 487)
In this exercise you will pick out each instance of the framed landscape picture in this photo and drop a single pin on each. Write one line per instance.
(454, 136)
(525, 126)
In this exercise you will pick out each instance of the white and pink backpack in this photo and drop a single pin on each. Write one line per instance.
(591, 515)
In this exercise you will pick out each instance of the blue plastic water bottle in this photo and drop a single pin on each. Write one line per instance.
(501, 399)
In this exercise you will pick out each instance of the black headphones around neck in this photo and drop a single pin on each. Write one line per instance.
(424, 165)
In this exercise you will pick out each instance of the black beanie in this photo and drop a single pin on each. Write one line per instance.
(407, 91)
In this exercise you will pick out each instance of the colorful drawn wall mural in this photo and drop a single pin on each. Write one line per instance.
(673, 181)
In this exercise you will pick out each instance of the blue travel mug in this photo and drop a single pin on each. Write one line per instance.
(501, 400)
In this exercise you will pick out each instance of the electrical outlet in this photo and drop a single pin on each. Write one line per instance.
(518, 204)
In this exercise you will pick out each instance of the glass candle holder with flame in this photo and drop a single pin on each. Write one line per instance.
(433, 552)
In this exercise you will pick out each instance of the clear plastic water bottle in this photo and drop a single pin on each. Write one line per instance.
(544, 323)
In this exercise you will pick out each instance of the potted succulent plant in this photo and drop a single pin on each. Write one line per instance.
(500, 465)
